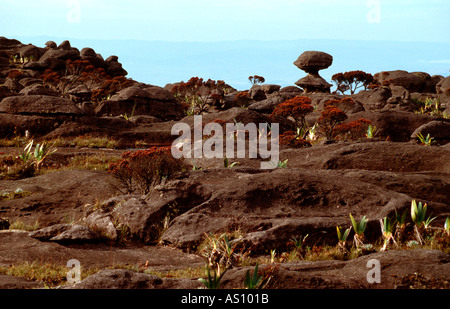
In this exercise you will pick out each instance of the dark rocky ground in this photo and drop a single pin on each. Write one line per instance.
(315, 193)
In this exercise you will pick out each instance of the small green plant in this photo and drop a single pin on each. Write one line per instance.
(195, 167)
(282, 164)
(431, 107)
(426, 141)
(371, 131)
(126, 117)
(400, 224)
(26, 154)
(212, 281)
(298, 243)
(447, 226)
(342, 235)
(18, 193)
(41, 152)
(418, 213)
(359, 228)
(273, 254)
(227, 164)
(388, 230)
(342, 239)
(254, 281)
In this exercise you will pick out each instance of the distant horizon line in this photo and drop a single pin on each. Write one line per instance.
(220, 41)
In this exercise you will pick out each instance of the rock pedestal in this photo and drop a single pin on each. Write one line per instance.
(312, 62)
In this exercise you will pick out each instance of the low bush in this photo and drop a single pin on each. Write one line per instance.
(142, 169)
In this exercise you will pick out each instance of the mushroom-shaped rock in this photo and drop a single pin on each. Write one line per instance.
(312, 62)
(314, 83)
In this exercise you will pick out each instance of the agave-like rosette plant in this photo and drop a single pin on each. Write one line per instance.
(387, 229)
(447, 225)
(359, 228)
(418, 214)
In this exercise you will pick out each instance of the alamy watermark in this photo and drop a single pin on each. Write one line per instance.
(234, 142)
(74, 274)
(374, 274)
(74, 14)
(374, 14)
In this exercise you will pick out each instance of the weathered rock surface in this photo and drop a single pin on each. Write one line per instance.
(38, 104)
(353, 274)
(439, 130)
(134, 100)
(312, 62)
(126, 279)
(412, 81)
(83, 214)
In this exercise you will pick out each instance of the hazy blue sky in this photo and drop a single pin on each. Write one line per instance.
(87, 23)
(213, 20)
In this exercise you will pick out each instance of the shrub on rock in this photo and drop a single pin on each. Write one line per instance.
(297, 108)
(142, 169)
(330, 117)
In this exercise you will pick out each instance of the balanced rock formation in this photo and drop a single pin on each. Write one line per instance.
(312, 62)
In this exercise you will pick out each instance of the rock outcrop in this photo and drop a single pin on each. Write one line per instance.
(312, 62)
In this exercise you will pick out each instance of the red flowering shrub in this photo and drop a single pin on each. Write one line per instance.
(110, 86)
(142, 169)
(297, 108)
(291, 139)
(352, 81)
(83, 72)
(330, 117)
(242, 98)
(196, 93)
(15, 74)
(353, 130)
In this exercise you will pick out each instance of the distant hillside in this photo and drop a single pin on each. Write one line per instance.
(159, 63)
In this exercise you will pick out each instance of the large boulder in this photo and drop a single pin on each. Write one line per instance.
(90, 55)
(313, 61)
(439, 130)
(375, 99)
(31, 52)
(38, 89)
(38, 105)
(55, 58)
(443, 87)
(37, 125)
(136, 100)
(413, 82)
(6, 43)
(393, 125)
(114, 67)
(67, 234)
